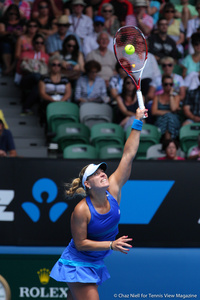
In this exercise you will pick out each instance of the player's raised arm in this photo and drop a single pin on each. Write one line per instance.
(122, 173)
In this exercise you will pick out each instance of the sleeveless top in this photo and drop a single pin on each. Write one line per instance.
(132, 107)
(53, 88)
(163, 106)
(102, 227)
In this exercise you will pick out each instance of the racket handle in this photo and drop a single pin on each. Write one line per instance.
(140, 99)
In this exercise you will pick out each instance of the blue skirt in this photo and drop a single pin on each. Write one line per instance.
(71, 268)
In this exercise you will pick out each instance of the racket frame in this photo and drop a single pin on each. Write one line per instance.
(131, 73)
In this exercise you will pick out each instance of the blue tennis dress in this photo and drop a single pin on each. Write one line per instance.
(88, 266)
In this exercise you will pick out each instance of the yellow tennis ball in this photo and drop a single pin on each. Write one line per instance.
(129, 49)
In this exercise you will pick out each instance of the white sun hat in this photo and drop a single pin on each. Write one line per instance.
(91, 169)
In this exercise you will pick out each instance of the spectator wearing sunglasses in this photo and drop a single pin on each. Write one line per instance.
(156, 88)
(141, 18)
(23, 6)
(112, 23)
(127, 104)
(33, 64)
(165, 109)
(53, 87)
(122, 9)
(24, 43)
(72, 58)
(55, 7)
(54, 42)
(160, 44)
(12, 26)
(46, 22)
(175, 27)
(191, 63)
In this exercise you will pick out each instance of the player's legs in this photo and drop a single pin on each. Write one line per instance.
(80, 291)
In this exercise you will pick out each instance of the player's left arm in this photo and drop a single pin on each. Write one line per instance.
(123, 171)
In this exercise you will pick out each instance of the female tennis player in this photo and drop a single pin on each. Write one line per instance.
(94, 222)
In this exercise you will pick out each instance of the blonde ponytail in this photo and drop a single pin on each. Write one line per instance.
(75, 188)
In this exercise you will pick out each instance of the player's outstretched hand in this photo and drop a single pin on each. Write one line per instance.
(121, 244)
(141, 113)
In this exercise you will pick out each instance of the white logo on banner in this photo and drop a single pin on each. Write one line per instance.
(6, 196)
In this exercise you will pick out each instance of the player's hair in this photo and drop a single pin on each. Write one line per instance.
(75, 188)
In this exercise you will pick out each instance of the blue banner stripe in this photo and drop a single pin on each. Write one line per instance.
(141, 199)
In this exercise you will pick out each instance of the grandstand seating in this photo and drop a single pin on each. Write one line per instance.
(61, 112)
(107, 134)
(111, 152)
(80, 151)
(150, 135)
(95, 113)
(72, 133)
(28, 136)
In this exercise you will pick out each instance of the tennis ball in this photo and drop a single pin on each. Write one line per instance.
(129, 49)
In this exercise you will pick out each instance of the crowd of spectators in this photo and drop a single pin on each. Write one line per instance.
(60, 50)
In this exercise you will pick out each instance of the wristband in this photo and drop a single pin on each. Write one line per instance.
(111, 248)
(137, 124)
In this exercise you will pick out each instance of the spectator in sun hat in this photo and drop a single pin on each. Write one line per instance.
(90, 42)
(140, 18)
(81, 24)
(54, 41)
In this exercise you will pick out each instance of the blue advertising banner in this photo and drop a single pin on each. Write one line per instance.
(160, 204)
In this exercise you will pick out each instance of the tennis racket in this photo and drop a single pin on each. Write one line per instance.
(133, 59)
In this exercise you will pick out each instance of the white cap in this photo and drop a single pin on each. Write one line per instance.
(91, 169)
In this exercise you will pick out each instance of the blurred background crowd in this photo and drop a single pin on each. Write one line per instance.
(62, 51)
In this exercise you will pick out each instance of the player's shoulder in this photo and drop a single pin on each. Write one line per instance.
(81, 208)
